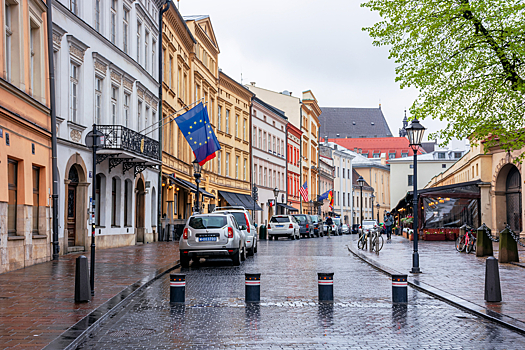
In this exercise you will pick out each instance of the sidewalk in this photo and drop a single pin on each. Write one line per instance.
(456, 277)
(37, 303)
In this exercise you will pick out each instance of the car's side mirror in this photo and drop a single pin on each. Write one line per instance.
(242, 227)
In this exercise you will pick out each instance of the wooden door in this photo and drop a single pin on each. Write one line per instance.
(71, 214)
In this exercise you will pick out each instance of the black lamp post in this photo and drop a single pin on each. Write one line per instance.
(378, 206)
(197, 168)
(372, 206)
(361, 182)
(415, 135)
(276, 194)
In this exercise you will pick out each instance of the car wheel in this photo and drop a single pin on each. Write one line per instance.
(243, 256)
(184, 261)
(255, 248)
(251, 250)
(292, 237)
(236, 259)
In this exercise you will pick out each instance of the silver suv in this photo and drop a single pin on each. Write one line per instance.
(243, 219)
(212, 235)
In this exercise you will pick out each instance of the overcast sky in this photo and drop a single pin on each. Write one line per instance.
(299, 45)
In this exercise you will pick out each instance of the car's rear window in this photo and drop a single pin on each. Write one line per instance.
(368, 222)
(279, 219)
(336, 221)
(314, 218)
(300, 218)
(241, 219)
(204, 222)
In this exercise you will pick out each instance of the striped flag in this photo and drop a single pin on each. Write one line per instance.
(331, 199)
(304, 192)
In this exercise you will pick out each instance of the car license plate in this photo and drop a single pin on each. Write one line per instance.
(207, 239)
(279, 225)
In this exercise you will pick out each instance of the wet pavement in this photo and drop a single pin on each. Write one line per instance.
(37, 303)
(460, 274)
(362, 316)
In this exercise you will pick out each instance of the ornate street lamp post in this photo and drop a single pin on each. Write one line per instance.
(197, 168)
(372, 207)
(276, 194)
(415, 136)
(378, 206)
(361, 182)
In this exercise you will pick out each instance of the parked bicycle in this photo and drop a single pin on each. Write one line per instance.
(377, 241)
(467, 241)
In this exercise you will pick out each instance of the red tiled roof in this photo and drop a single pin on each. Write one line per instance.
(386, 145)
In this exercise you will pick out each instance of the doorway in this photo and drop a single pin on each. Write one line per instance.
(513, 197)
(140, 210)
(72, 206)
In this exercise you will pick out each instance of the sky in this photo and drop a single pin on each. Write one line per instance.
(300, 45)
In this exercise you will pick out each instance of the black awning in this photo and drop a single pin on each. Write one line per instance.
(193, 188)
(239, 199)
(286, 206)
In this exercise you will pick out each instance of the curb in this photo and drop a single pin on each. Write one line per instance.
(75, 334)
(465, 305)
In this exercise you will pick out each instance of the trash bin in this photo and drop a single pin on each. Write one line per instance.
(262, 232)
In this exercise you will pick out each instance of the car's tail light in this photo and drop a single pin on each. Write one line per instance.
(247, 223)
(306, 225)
(185, 233)
(359, 226)
(291, 226)
(230, 232)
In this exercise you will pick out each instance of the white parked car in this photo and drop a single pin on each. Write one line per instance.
(368, 226)
(283, 226)
(243, 219)
(345, 228)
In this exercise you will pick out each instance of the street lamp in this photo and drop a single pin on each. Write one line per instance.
(361, 182)
(415, 136)
(197, 168)
(372, 206)
(276, 194)
(378, 206)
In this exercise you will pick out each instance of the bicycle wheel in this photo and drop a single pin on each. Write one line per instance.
(378, 243)
(360, 243)
(460, 243)
(471, 246)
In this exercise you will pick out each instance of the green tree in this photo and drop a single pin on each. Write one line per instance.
(467, 59)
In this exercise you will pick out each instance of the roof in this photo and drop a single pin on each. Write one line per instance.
(353, 122)
(369, 146)
(273, 109)
(195, 17)
(432, 157)
(355, 176)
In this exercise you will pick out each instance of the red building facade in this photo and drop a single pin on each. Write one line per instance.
(293, 165)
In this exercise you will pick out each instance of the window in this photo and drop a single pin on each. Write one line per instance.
(125, 30)
(98, 100)
(170, 72)
(153, 60)
(73, 6)
(73, 79)
(139, 114)
(260, 139)
(244, 129)
(457, 155)
(264, 142)
(227, 164)
(391, 155)
(219, 162)
(404, 154)
(278, 146)
(114, 21)
(265, 178)
(139, 29)
(12, 185)
(376, 155)
(237, 167)
(410, 180)
(146, 117)
(244, 169)
(270, 143)
(443, 166)
(8, 38)
(343, 171)
(260, 176)
(344, 199)
(114, 101)
(113, 202)
(349, 176)
(146, 50)
(126, 109)
(236, 125)
(35, 58)
(411, 166)
(219, 118)
(227, 121)
(441, 155)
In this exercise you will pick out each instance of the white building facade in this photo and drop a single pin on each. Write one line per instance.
(106, 73)
(343, 200)
(269, 157)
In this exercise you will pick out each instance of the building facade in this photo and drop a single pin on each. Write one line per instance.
(105, 56)
(293, 173)
(343, 178)
(269, 127)
(25, 136)
(326, 176)
(362, 196)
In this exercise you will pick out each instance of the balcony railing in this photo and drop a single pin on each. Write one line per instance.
(119, 137)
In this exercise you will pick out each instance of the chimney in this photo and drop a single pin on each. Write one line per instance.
(252, 83)
(383, 158)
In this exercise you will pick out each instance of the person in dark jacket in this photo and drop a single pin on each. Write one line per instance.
(329, 222)
(389, 221)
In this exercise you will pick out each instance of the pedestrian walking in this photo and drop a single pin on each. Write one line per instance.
(388, 221)
(329, 223)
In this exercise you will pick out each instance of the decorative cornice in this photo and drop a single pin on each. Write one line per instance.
(58, 33)
(101, 63)
(76, 47)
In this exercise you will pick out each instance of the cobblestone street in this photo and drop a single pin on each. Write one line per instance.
(289, 316)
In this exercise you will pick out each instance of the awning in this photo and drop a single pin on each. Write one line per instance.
(238, 199)
(287, 207)
(193, 188)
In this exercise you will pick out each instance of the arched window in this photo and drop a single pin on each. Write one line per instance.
(115, 202)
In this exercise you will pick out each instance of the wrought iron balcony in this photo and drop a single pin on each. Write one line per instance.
(119, 137)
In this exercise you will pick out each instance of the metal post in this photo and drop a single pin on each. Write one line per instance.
(177, 288)
(252, 289)
(399, 289)
(93, 194)
(325, 286)
(198, 181)
(415, 254)
(361, 207)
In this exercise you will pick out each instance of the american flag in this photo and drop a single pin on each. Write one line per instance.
(304, 192)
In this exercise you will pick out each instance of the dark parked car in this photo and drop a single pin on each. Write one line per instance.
(306, 226)
(355, 228)
(317, 222)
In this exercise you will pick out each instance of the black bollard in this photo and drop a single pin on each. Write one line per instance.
(399, 289)
(326, 286)
(177, 288)
(82, 286)
(252, 287)
(492, 285)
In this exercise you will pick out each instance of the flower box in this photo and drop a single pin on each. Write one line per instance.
(450, 235)
(435, 236)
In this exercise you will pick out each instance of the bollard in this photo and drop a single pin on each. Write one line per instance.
(483, 242)
(326, 286)
(82, 286)
(508, 248)
(252, 282)
(399, 289)
(177, 288)
(492, 285)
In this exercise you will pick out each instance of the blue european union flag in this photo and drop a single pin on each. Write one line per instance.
(324, 195)
(196, 128)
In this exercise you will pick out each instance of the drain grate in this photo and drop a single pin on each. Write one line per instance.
(132, 333)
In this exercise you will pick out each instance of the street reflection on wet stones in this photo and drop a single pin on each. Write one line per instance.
(289, 315)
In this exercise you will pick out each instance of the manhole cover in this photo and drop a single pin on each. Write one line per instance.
(132, 333)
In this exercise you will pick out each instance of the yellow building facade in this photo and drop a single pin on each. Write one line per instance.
(310, 112)
(25, 136)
